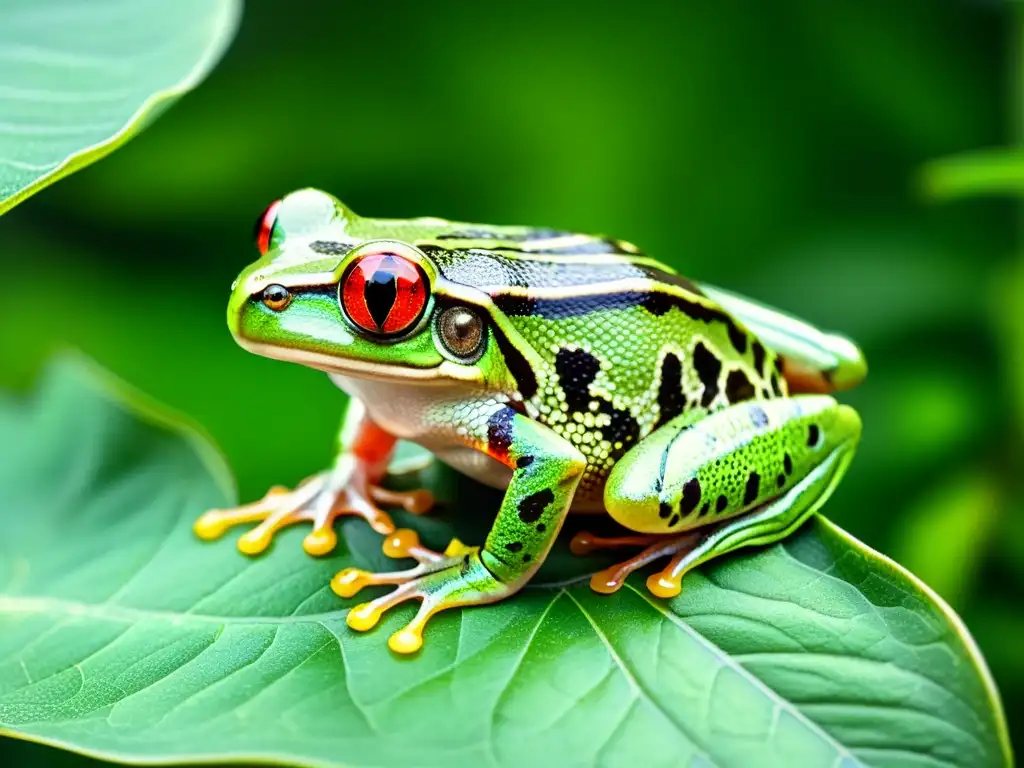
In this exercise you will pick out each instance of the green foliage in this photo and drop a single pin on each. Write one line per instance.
(987, 172)
(121, 635)
(80, 79)
(770, 148)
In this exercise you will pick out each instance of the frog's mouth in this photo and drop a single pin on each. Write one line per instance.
(440, 374)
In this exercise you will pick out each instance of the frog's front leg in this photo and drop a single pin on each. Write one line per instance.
(349, 488)
(546, 470)
(749, 474)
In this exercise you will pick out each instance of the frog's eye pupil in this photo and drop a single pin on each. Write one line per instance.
(384, 293)
(263, 230)
(462, 332)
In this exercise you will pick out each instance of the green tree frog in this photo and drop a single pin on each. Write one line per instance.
(574, 371)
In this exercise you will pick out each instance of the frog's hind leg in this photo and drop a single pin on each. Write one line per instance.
(584, 542)
(611, 579)
(746, 475)
(770, 523)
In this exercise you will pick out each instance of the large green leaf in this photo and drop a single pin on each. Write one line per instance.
(78, 79)
(122, 636)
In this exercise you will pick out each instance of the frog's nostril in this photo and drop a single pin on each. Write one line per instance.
(276, 297)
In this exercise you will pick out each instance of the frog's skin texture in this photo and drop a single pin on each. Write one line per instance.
(572, 370)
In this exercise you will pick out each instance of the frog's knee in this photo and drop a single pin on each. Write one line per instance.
(828, 428)
(851, 367)
(848, 422)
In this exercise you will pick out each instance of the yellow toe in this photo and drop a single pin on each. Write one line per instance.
(210, 526)
(661, 585)
(320, 542)
(349, 581)
(406, 640)
(606, 582)
(401, 543)
(363, 617)
(254, 542)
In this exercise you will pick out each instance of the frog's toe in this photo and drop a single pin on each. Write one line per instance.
(669, 581)
(405, 542)
(584, 542)
(318, 501)
(417, 502)
(611, 579)
(274, 511)
(446, 583)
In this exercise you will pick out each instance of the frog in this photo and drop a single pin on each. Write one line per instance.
(573, 371)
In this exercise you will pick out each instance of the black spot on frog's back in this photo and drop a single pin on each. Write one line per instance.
(759, 357)
(671, 400)
(622, 431)
(576, 369)
(738, 387)
(737, 338)
(708, 368)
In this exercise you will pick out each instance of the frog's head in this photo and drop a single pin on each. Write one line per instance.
(355, 296)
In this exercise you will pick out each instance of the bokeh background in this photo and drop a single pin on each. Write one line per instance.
(775, 148)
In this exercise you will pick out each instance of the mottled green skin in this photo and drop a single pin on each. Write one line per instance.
(631, 345)
(738, 458)
(605, 379)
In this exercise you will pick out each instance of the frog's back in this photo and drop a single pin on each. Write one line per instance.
(606, 344)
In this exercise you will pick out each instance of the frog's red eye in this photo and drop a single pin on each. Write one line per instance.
(264, 227)
(384, 293)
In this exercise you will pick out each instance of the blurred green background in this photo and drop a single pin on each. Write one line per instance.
(773, 148)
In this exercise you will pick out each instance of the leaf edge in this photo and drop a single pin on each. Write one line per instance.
(224, 29)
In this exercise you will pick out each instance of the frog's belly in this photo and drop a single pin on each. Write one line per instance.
(401, 409)
(474, 464)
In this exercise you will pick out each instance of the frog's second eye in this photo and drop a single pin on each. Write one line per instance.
(384, 293)
(264, 227)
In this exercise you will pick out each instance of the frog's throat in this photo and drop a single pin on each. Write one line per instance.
(445, 372)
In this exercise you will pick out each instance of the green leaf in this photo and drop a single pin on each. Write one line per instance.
(78, 79)
(122, 636)
(974, 174)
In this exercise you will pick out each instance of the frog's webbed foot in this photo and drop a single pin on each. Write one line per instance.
(665, 583)
(344, 491)
(450, 579)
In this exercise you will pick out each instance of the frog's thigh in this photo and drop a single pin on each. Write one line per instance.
(685, 476)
